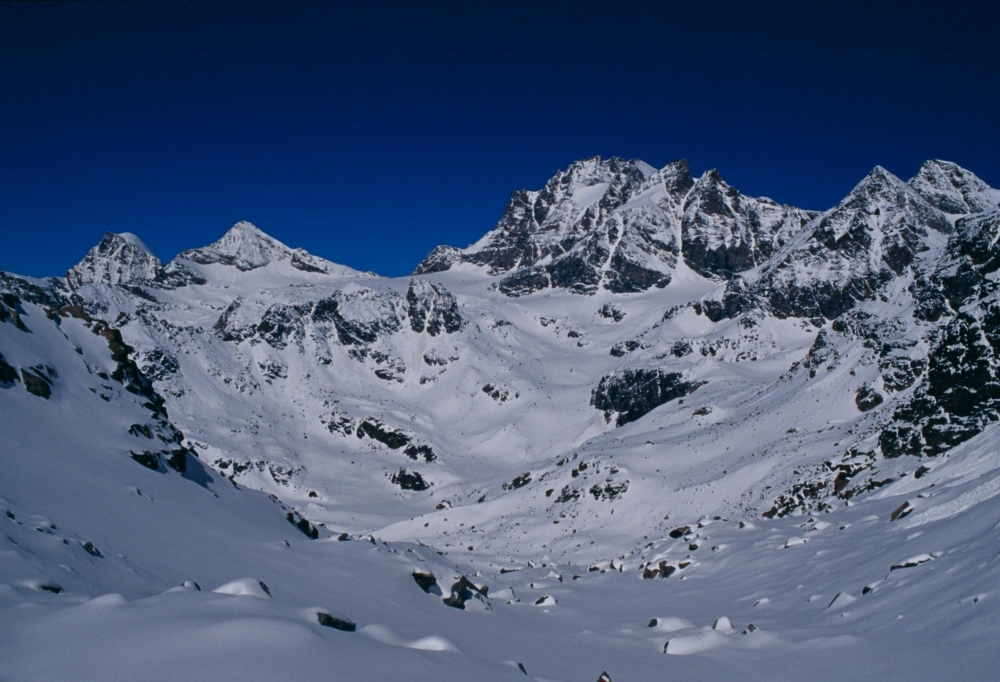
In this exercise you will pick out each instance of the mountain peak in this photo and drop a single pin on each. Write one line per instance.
(563, 235)
(246, 247)
(953, 189)
(724, 232)
(880, 176)
(131, 239)
(676, 177)
(117, 259)
(244, 229)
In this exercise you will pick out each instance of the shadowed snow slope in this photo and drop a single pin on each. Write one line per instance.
(643, 406)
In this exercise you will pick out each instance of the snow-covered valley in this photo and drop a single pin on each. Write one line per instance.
(647, 425)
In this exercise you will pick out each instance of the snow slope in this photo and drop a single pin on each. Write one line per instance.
(643, 396)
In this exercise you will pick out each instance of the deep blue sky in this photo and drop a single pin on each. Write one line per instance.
(370, 131)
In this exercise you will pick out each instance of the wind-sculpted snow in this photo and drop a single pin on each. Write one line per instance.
(778, 422)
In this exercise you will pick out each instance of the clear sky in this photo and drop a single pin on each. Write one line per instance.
(370, 131)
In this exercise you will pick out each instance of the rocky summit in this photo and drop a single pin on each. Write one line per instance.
(639, 378)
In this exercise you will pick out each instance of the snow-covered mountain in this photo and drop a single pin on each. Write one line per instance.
(621, 226)
(636, 374)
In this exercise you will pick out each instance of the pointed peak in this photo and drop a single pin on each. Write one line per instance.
(883, 174)
(247, 247)
(941, 165)
(244, 245)
(244, 232)
(676, 177)
(596, 168)
(711, 177)
(245, 227)
(132, 239)
(711, 183)
(878, 180)
(678, 166)
(118, 240)
(117, 259)
(952, 188)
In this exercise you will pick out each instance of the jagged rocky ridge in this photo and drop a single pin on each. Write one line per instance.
(621, 226)
(482, 376)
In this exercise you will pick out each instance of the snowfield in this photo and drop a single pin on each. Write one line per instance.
(647, 425)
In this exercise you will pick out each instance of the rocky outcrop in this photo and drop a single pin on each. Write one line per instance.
(8, 374)
(409, 480)
(432, 308)
(359, 316)
(630, 394)
(394, 439)
(959, 393)
(38, 381)
(117, 259)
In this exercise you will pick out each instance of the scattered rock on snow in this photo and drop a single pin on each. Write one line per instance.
(37, 383)
(915, 560)
(328, 621)
(901, 511)
(302, 523)
(427, 582)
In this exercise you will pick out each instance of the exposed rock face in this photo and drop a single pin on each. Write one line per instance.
(409, 480)
(599, 223)
(302, 523)
(361, 315)
(328, 621)
(629, 394)
(845, 255)
(867, 398)
(117, 259)
(8, 374)
(621, 226)
(433, 308)
(281, 325)
(892, 293)
(37, 382)
(355, 316)
(440, 259)
(725, 232)
(960, 392)
(952, 189)
(124, 260)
